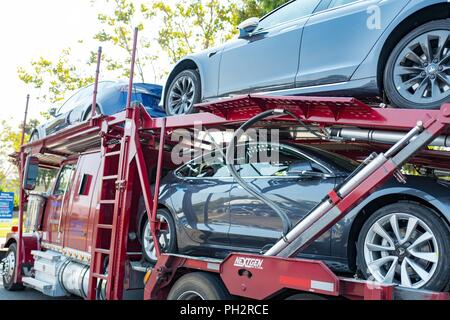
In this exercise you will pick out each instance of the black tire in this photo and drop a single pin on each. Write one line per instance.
(395, 98)
(441, 277)
(199, 286)
(171, 247)
(306, 296)
(195, 77)
(8, 282)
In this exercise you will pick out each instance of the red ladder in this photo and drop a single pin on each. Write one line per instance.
(109, 223)
(121, 169)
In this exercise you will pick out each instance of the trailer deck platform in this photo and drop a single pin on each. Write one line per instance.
(125, 137)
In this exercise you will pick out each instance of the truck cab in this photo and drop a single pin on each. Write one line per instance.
(59, 225)
(70, 205)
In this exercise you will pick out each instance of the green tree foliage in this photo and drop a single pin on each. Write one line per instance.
(9, 177)
(256, 8)
(54, 79)
(186, 26)
(193, 25)
(9, 174)
(118, 29)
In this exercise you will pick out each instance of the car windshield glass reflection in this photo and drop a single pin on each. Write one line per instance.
(82, 95)
(213, 167)
(272, 161)
(64, 180)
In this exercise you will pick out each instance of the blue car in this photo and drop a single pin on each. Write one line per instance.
(396, 51)
(111, 98)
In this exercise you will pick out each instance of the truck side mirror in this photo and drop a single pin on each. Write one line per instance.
(30, 173)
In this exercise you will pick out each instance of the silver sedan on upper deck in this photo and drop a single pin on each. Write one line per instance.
(398, 50)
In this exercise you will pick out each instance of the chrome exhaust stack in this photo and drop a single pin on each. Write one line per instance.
(380, 136)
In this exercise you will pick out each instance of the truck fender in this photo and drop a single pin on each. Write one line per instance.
(30, 242)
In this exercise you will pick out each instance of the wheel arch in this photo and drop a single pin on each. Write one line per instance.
(9, 242)
(29, 243)
(432, 12)
(143, 217)
(371, 207)
(185, 64)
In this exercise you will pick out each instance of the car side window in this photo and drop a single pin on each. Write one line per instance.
(291, 11)
(64, 179)
(68, 105)
(213, 168)
(337, 3)
(281, 158)
(75, 100)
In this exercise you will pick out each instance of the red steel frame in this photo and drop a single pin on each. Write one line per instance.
(264, 276)
(278, 273)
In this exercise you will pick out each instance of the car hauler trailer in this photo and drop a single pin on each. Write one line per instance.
(132, 143)
(266, 275)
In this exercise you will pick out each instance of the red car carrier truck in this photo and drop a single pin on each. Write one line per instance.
(81, 237)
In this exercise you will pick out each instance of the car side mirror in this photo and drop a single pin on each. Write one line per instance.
(30, 173)
(299, 168)
(52, 112)
(304, 169)
(247, 27)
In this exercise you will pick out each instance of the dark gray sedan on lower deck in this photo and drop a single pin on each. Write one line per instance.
(399, 234)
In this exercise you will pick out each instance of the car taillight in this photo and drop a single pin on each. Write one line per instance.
(14, 228)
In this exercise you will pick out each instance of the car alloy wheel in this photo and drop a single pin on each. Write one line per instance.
(181, 96)
(402, 249)
(164, 238)
(422, 69)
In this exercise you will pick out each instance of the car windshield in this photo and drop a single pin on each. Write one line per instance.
(81, 96)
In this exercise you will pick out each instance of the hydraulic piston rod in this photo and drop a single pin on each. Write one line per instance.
(326, 212)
